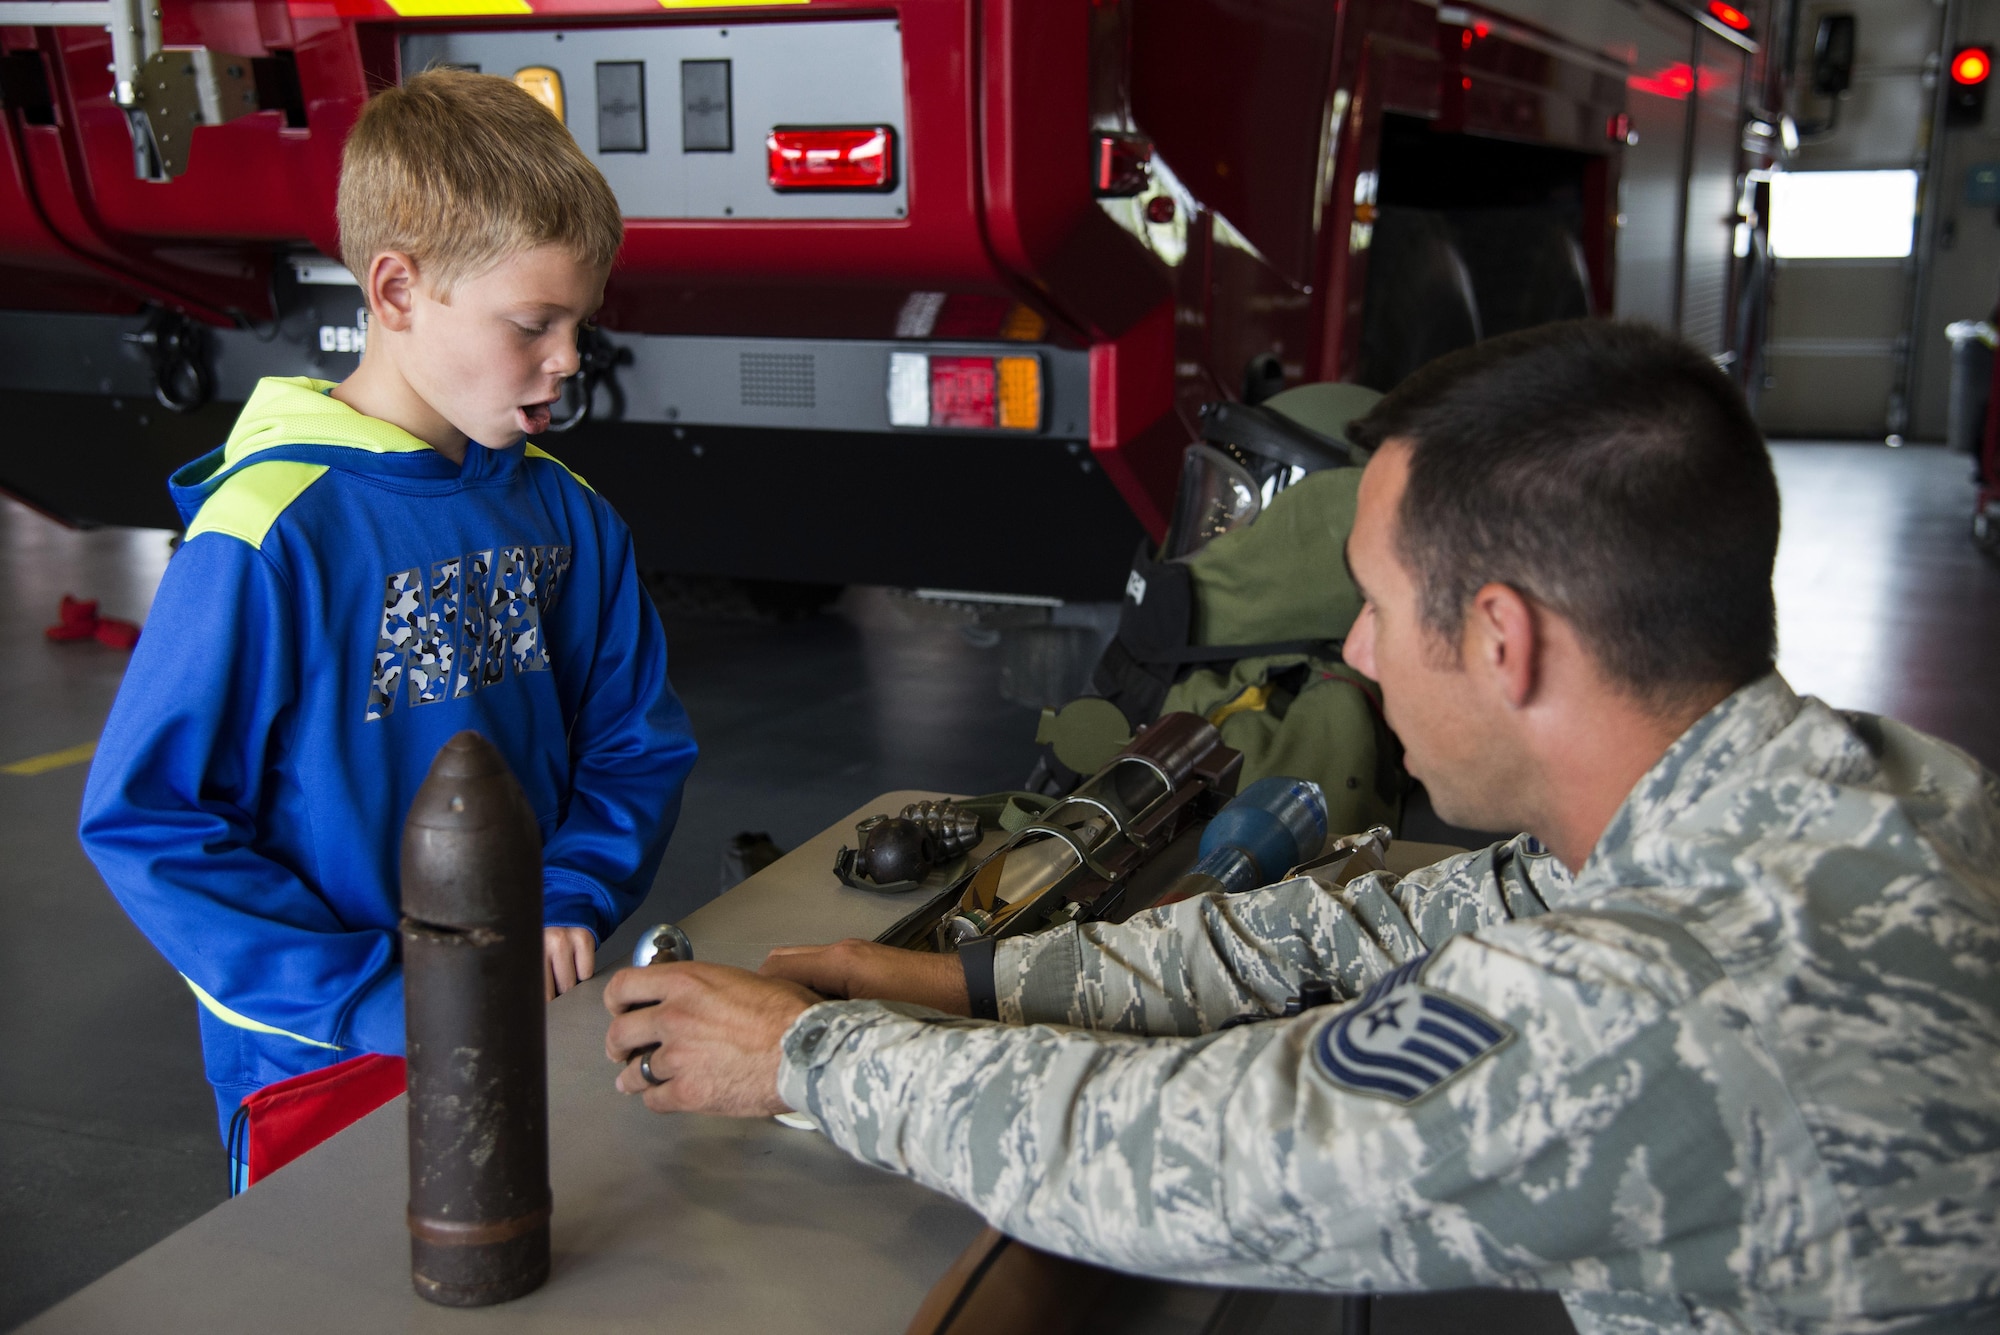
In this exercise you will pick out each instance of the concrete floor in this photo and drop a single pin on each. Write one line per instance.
(1884, 604)
(107, 1139)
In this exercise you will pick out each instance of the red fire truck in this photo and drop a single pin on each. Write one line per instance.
(918, 292)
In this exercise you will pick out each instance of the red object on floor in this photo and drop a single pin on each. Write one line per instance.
(76, 621)
(117, 634)
(287, 1119)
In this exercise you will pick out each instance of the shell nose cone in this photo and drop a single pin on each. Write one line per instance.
(472, 853)
(467, 756)
(469, 786)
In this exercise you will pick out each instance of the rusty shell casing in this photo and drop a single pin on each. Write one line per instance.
(476, 1029)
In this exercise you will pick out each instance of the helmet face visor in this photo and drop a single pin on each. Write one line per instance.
(1217, 495)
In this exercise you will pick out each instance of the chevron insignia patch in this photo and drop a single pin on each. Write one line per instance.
(1402, 1039)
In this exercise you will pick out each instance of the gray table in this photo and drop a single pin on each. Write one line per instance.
(682, 1223)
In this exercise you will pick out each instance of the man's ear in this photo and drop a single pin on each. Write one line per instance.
(1503, 641)
(391, 287)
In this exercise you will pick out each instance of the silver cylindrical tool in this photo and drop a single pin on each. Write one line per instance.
(661, 943)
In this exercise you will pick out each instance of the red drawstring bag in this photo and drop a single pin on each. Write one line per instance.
(280, 1122)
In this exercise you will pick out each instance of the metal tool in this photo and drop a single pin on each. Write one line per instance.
(1350, 856)
(473, 1012)
(660, 944)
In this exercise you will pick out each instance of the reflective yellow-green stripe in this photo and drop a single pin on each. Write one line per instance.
(241, 1021)
(250, 500)
(537, 452)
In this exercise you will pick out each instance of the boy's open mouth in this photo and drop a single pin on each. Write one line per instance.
(533, 417)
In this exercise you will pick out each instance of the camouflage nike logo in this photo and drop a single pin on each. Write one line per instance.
(459, 631)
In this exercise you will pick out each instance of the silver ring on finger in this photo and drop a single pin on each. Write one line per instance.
(646, 1070)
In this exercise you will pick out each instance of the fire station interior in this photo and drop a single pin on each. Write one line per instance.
(812, 697)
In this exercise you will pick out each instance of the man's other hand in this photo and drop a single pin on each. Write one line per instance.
(569, 955)
(865, 971)
(718, 1032)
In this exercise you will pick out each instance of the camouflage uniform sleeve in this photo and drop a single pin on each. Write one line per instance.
(1567, 1127)
(1187, 968)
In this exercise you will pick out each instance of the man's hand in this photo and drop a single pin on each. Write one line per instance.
(865, 971)
(718, 1032)
(569, 955)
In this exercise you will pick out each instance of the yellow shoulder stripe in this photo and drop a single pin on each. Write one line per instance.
(250, 500)
(241, 1021)
(537, 452)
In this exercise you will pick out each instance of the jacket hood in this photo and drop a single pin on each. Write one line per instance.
(295, 418)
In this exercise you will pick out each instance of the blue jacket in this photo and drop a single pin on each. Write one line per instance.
(337, 611)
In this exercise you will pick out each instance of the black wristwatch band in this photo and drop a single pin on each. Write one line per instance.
(977, 959)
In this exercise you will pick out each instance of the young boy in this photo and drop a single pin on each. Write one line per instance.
(371, 567)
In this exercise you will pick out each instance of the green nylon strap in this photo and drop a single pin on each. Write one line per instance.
(1007, 811)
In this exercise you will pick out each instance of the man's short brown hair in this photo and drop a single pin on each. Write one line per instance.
(1611, 473)
(459, 170)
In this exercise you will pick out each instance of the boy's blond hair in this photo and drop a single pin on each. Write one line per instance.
(460, 170)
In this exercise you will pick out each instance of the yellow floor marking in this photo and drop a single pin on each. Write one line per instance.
(73, 755)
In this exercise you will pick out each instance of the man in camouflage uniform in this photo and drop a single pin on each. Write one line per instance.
(1741, 1071)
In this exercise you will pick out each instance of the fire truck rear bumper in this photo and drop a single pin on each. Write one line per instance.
(756, 458)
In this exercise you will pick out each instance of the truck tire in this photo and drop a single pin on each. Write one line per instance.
(1527, 267)
(1420, 303)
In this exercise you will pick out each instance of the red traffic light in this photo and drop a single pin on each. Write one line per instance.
(1971, 65)
(1729, 16)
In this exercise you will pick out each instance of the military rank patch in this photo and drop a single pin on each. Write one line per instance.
(1401, 1040)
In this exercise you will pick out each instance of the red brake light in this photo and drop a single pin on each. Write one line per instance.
(965, 391)
(1729, 16)
(1971, 65)
(855, 157)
